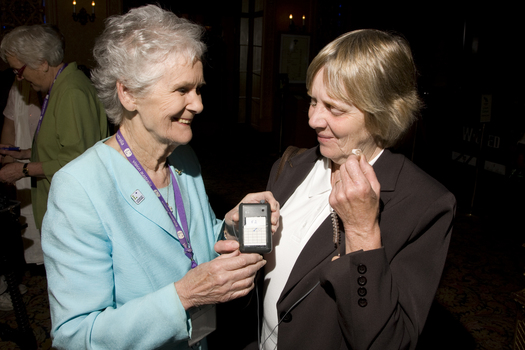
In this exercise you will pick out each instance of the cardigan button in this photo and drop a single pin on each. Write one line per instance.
(361, 269)
(286, 317)
(361, 280)
(362, 291)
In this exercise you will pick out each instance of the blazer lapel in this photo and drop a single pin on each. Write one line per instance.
(320, 246)
(318, 249)
(294, 173)
(387, 169)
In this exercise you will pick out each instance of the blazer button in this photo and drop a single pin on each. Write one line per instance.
(362, 302)
(285, 317)
(361, 280)
(362, 291)
(361, 269)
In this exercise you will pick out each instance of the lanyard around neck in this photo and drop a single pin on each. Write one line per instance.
(46, 100)
(182, 234)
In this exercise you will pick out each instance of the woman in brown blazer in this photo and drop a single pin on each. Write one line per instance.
(364, 233)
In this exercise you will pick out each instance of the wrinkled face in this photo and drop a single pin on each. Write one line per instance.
(34, 76)
(168, 108)
(340, 127)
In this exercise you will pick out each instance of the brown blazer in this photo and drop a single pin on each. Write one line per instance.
(376, 299)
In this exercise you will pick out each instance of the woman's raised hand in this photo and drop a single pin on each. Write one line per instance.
(355, 198)
(233, 215)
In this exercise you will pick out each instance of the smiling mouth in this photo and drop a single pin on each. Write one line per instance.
(184, 121)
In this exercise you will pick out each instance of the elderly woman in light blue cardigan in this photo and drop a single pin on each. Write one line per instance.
(131, 243)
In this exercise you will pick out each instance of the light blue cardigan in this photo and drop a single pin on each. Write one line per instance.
(111, 263)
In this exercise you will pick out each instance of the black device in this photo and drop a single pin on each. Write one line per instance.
(255, 228)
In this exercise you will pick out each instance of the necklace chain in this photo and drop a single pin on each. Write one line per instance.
(168, 194)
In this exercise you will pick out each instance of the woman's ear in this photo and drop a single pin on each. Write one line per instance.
(125, 97)
(44, 66)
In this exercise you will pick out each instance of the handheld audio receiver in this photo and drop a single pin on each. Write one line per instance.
(255, 228)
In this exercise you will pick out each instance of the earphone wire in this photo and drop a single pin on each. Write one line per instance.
(282, 318)
(258, 316)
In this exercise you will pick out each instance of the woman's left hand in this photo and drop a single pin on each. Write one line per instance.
(11, 172)
(233, 215)
(229, 276)
(355, 198)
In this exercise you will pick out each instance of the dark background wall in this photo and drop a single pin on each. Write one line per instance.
(465, 52)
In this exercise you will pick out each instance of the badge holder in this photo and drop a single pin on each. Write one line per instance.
(203, 323)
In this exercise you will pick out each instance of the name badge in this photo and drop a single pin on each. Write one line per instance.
(137, 197)
(203, 322)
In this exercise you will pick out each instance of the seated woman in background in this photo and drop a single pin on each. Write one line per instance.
(130, 240)
(364, 233)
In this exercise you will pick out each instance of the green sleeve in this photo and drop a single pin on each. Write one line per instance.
(78, 126)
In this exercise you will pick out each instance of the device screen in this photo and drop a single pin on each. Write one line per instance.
(255, 231)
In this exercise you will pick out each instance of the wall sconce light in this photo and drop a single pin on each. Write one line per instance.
(291, 27)
(83, 16)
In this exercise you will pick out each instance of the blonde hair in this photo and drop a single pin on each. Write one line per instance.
(374, 71)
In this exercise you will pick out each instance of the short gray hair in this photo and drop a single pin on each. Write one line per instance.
(33, 45)
(133, 48)
(374, 71)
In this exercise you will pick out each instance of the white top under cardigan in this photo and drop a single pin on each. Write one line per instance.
(22, 108)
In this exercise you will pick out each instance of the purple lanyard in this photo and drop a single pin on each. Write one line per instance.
(46, 100)
(183, 235)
